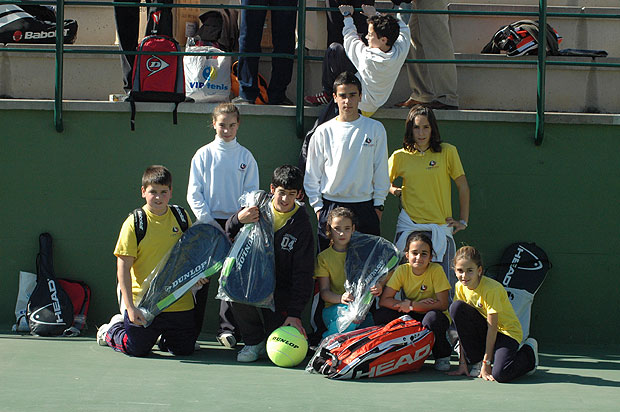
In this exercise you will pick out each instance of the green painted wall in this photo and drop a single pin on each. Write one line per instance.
(79, 185)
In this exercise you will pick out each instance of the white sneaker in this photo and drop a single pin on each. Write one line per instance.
(251, 353)
(103, 329)
(442, 364)
(227, 340)
(475, 370)
(532, 343)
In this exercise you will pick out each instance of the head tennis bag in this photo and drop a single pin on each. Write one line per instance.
(521, 38)
(157, 78)
(400, 346)
(522, 270)
(50, 311)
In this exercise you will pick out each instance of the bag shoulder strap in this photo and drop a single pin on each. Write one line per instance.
(140, 221)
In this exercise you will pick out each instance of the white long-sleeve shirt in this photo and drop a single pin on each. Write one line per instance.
(376, 69)
(347, 162)
(219, 174)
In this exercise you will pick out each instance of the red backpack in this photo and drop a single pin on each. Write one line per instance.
(400, 346)
(79, 293)
(157, 78)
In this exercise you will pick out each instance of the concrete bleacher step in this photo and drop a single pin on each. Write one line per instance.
(486, 86)
(470, 33)
(95, 24)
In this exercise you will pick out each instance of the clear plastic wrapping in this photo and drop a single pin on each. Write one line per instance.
(369, 259)
(248, 275)
(199, 253)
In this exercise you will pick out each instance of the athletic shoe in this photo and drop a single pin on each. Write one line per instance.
(318, 99)
(442, 364)
(531, 342)
(251, 353)
(227, 340)
(475, 369)
(103, 329)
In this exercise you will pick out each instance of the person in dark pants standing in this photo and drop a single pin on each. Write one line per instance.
(127, 25)
(283, 24)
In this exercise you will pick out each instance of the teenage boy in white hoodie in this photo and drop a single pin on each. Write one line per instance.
(220, 173)
(376, 65)
(347, 163)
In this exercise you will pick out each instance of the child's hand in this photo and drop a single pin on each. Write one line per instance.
(462, 370)
(369, 10)
(346, 10)
(346, 298)
(135, 316)
(485, 372)
(456, 225)
(202, 281)
(248, 215)
(376, 290)
(403, 306)
(296, 323)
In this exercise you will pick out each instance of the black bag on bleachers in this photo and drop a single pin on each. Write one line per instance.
(521, 38)
(32, 25)
(50, 311)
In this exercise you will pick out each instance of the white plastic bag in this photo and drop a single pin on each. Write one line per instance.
(207, 78)
(27, 282)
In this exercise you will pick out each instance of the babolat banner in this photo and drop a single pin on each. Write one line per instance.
(207, 78)
(32, 25)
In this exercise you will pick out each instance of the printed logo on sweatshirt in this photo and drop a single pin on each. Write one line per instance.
(288, 241)
(368, 142)
(243, 166)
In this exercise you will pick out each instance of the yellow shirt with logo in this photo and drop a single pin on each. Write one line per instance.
(162, 232)
(425, 286)
(491, 297)
(279, 218)
(427, 188)
(330, 264)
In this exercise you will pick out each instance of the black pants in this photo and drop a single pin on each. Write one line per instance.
(366, 219)
(256, 324)
(227, 319)
(334, 63)
(434, 320)
(335, 21)
(509, 361)
(127, 25)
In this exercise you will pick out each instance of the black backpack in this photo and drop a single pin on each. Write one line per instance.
(521, 38)
(140, 222)
(50, 311)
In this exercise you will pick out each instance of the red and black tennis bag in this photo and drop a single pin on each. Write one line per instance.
(156, 77)
(400, 346)
(79, 293)
(521, 38)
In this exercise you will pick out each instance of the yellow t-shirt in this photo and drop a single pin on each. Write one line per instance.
(330, 263)
(162, 232)
(427, 188)
(491, 297)
(416, 288)
(279, 218)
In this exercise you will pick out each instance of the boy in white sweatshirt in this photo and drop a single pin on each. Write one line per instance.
(377, 64)
(347, 163)
(220, 173)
